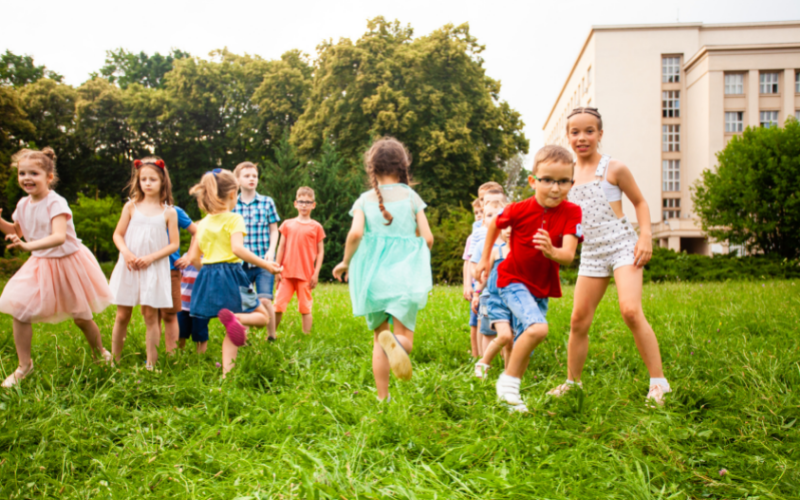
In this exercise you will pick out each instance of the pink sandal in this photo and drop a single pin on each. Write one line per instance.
(235, 330)
(17, 376)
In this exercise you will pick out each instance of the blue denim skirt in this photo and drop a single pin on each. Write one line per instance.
(222, 286)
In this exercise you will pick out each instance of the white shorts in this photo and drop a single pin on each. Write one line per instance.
(607, 248)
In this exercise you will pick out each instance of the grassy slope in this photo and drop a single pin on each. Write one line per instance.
(299, 417)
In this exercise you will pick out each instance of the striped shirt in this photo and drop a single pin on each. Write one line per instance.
(188, 276)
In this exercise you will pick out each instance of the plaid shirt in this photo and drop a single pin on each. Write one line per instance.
(258, 215)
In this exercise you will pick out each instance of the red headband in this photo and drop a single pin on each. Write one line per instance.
(158, 163)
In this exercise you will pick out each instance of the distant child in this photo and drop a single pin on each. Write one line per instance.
(469, 282)
(490, 209)
(300, 252)
(190, 327)
(387, 257)
(61, 279)
(545, 231)
(146, 234)
(612, 247)
(176, 263)
(261, 222)
(222, 288)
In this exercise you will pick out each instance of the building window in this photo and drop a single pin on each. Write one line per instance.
(671, 208)
(734, 121)
(671, 175)
(769, 119)
(797, 115)
(670, 138)
(734, 84)
(671, 104)
(589, 78)
(583, 85)
(769, 83)
(797, 82)
(670, 69)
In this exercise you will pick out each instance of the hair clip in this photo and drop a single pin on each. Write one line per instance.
(137, 163)
(158, 163)
(215, 171)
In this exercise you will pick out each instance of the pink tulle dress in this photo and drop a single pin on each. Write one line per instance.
(56, 283)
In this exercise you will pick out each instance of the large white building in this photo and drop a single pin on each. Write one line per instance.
(671, 96)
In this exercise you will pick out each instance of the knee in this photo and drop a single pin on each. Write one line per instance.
(631, 313)
(168, 317)
(123, 314)
(537, 332)
(150, 315)
(82, 323)
(504, 338)
(579, 321)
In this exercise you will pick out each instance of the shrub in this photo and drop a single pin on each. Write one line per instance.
(449, 236)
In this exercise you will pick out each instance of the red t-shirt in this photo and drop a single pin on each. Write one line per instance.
(525, 264)
(300, 249)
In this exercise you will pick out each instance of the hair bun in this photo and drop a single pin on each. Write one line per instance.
(48, 152)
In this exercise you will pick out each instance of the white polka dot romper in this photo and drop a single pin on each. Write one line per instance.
(608, 242)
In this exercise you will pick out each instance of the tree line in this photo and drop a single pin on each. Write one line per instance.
(302, 121)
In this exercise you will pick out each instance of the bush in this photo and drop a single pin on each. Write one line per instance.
(668, 265)
(11, 265)
(449, 236)
(95, 221)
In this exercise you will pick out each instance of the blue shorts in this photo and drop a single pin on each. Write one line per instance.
(473, 318)
(194, 328)
(484, 318)
(521, 304)
(263, 280)
(499, 313)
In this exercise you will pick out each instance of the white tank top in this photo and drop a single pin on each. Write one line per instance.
(612, 192)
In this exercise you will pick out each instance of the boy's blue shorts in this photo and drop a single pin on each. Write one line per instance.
(191, 327)
(518, 302)
(262, 279)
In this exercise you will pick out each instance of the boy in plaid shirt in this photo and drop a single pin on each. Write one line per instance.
(261, 220)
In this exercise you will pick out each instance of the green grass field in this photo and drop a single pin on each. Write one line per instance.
(299, 418)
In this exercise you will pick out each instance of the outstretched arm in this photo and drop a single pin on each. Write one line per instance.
(644, 246)
(239, 250)
(483, 267)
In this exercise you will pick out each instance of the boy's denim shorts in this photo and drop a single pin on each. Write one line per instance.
(521, 304)
(483, 316)
(263, 279)
(500, 313)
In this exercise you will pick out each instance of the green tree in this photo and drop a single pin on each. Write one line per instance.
(15, 131)
(450, 233)
(430, 92)
(280, 178)
(337, 184)
(19, 71)
(753, 197)
(125, 68)
(95, 221)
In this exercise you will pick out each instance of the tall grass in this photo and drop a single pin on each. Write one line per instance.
(299, 418)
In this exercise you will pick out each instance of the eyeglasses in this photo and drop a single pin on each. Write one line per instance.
(548, 182)
(304, 202)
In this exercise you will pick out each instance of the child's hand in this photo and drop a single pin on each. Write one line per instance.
(642, 252)
(467, 293)
(340, 271)
(183, 262)
(16, 242)
(274, 268)
(144, 262)
(314, 282)
(480, 270)
(476, 301)
(130, 261)
(542, 241)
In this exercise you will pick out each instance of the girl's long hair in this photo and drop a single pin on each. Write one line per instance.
(135, 189)
(213, 189)
(45, 159)
(387, 156)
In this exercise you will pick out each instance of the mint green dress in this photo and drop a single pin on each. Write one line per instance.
(390, 273)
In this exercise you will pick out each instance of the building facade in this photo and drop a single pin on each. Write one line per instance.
(671, 97)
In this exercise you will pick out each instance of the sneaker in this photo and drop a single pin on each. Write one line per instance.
(481, 369)
(508, 393)
(656, 396)
(563, 389)
(518, 408)
(17, 376)
(235, 330)
(398, 357)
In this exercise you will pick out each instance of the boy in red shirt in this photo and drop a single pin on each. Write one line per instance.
(545, 233)
(300, 252)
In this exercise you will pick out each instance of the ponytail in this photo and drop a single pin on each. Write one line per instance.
(213, 189)
(386, 215)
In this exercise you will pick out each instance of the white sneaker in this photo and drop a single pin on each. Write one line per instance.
(518, 408)
(481, 369)
(508, 392)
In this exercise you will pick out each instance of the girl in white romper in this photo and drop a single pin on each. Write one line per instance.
(147, 233)
(611, 246)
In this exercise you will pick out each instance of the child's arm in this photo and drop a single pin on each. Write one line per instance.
(467, 280)
(492, 232)
(10, 227)
(56, 238)
(273, 237)
(318, 264)
(279, 258)
(239, 250)
(424, 228)
(644, 246)
(564, 255)
(174, 242)
(351, 245)
(186, 260)
(119, 237)
(194, 255)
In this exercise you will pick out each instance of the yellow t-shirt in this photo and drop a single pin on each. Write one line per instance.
(214, 236)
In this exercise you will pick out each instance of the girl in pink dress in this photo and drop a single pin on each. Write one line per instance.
(62, 278)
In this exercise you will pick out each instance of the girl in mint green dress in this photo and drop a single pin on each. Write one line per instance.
(387, 260)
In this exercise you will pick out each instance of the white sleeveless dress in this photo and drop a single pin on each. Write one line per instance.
(151, 286)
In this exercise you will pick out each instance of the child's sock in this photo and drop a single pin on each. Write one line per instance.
(572, 382)
(660, 381)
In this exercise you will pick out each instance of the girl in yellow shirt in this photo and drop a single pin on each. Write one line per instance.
(222, 288)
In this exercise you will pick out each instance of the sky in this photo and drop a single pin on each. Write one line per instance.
(530, 45)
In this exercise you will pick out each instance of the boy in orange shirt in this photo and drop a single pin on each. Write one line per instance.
(300, 252)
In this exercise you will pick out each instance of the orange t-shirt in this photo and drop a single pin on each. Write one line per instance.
(300, 249)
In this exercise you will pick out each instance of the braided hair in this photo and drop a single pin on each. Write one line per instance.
(588, 111)
(387, 157)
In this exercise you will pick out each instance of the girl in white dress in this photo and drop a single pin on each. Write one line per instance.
(147, 233)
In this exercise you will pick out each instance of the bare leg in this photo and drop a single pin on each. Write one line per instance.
(201, 347)
(92, 334)
(308, 322)
(502, 339)
(473, 340)
(181, 343)
(171, 330)
(629, 290)
(380, 363)
(507, 354)
(588, 294)
(526, 343)
(483, 341)
(278, 318)
(120, 331)
(273, 320)
(23, 336)
(259, 318)
(152, 334)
